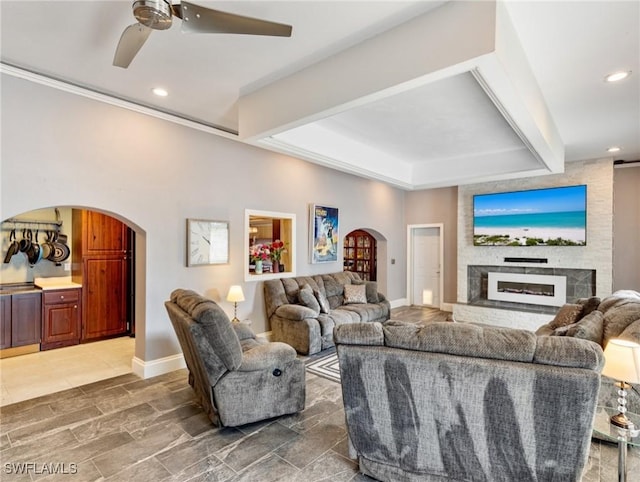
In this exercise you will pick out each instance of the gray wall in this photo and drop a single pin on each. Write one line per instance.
(59, 149)
(439, 206)
(626, 228)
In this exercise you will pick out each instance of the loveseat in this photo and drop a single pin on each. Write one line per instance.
(616, 316)
(459, 401)
(237, 377)
(305, 318)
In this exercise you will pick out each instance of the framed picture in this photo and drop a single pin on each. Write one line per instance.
(323, 232)
(207, 242)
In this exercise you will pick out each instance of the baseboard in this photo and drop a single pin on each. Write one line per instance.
(160, 366)
(399, 302)
(447, 307)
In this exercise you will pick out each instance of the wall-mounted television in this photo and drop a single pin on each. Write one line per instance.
(554, 216)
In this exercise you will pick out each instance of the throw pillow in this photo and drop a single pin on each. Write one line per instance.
(322, 301)
(567, 315)
(371, 289)
(355, 294)
(308, 299)
(588, 304)
(591, 327)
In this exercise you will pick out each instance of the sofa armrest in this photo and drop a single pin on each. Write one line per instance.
(295, 312)
(271, 355)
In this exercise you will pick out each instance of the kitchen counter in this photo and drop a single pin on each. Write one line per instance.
(15, 288)
(56, 283)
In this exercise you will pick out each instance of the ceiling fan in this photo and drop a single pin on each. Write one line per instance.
(157, 15)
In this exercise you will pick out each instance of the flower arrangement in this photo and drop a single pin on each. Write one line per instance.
(259, 252)
(277, 248)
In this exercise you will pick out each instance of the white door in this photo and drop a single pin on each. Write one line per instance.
(426, 267)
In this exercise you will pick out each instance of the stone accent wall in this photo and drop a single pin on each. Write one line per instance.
(596, 255)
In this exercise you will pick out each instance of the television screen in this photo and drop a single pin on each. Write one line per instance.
(540, 217)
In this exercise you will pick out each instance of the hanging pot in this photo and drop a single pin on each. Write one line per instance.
(14, 246)
(25, 242)
(34, 253)
(47, 247)
(60, 251)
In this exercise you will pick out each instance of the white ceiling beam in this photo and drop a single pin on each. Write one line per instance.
(458, 37)
(427, 48)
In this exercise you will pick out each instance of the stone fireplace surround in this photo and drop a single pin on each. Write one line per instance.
(596, 256)
(581, 283)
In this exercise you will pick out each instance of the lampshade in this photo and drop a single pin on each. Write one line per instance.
(235, 294)
(622, 361)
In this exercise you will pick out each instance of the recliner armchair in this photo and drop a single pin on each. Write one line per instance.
(238, 378)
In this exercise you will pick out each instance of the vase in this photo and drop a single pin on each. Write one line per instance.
(275, 267)
(259, 266)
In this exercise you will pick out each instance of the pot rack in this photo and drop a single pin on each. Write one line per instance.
(14, 223)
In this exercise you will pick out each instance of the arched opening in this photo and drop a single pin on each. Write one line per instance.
(365, 252)
(67, 221)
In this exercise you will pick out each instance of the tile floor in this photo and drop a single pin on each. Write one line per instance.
(29, 376)
(124, 428)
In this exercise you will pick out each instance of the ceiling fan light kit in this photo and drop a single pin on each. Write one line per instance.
(155, 14)
(158, 15)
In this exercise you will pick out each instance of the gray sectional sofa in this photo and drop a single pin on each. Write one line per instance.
(305, 319)
(458, 401)
(616, 316)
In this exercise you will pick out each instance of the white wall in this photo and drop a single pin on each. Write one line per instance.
(597, 254)
(154, 174)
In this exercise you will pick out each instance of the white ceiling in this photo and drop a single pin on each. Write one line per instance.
(371, 110)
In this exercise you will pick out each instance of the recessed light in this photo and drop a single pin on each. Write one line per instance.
(613, 149)
(160, 92)
(617, 76)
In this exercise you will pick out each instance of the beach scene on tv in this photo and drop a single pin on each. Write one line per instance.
(539, 217)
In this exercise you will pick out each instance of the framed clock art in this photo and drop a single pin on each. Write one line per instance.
(207, 242)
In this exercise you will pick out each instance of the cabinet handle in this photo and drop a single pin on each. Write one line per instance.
(61, 297)
(75, 307)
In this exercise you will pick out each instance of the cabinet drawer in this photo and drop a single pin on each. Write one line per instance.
(61, 296)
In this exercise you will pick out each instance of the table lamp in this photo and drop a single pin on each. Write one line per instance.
(235, 295)
(622, 363)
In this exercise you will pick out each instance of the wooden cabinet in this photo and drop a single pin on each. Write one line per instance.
(102, 263)
(5, 321)
(105, 296)
(21, 319)
(61, 316)
(360, 254)
(103, 234)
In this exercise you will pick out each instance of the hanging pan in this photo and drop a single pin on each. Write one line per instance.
(34, 253)
(47, 247)
(14, 246)
(60, 251)
(25, 242)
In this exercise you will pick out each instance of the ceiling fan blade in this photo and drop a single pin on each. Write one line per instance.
(196, 19)
(132, 39)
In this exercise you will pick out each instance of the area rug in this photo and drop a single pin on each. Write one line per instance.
(325, 366)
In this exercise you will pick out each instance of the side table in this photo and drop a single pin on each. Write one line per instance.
(603, 427)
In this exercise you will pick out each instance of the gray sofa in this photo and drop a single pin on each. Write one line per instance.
(457, 401)
(616, 316)
(304, 323)
(238, 378)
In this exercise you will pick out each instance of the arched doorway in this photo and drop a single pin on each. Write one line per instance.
(104, 361)
(361, 254)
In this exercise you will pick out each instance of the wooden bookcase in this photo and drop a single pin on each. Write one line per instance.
(360, 254)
